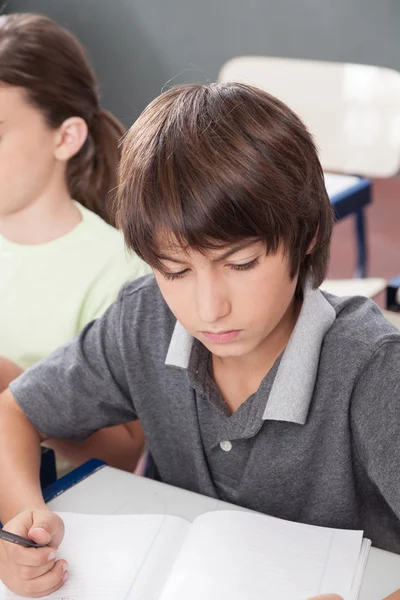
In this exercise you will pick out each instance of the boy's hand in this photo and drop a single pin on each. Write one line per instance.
(33, 571)
(327, 597)
(394, 596)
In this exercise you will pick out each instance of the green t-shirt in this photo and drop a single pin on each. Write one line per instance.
(49, 292)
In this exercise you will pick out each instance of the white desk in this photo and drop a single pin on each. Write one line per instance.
(368, 287)
(109, 491)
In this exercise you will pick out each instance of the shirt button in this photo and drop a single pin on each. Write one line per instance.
(226, 445)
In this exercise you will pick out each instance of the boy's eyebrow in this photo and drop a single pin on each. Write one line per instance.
(224, 256)
(235, 249)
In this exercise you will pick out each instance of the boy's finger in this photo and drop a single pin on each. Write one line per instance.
(51, 581)
(31, 557)
(47, 528)
(326, 597)
(40, 535)
(26, 573)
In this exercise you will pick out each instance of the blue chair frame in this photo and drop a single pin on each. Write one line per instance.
(353, 202)
(392, 294)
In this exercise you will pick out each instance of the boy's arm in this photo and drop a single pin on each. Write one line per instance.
(375, 422)
(76, 391)
(22, 509)
(79, 389)
(394, 596)
(19, 460)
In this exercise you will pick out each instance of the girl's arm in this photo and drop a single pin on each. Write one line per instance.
(8, 372)
(120, 446)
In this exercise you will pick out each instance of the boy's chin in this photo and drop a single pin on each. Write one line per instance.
(226, 350)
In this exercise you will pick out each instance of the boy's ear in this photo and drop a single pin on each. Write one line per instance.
(313, 242)
(70, 137)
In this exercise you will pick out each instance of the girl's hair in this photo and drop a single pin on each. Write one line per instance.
(50, 65)
(208, 165)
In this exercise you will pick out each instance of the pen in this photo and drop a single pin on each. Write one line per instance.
(17, 539)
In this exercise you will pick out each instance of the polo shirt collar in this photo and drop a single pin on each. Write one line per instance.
(180, 348)
(294, 383)
(292, 390)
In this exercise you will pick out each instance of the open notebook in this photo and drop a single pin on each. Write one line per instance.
(223, 555)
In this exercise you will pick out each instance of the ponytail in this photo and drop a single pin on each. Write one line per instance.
(92, 173)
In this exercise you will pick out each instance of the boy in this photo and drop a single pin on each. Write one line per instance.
(251, 385)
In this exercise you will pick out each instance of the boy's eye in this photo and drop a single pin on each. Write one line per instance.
(172, 276)
(246, 266)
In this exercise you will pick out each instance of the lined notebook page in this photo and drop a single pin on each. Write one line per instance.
(116, 557)
(237, 555)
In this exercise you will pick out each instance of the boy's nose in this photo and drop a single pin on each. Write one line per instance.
(212, 303)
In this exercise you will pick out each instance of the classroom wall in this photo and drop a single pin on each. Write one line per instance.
(137, 46)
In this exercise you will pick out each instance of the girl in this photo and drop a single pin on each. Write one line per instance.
(61, 264)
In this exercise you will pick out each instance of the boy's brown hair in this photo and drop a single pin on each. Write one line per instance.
(207, 165)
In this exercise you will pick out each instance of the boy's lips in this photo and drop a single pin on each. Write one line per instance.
(221, 336)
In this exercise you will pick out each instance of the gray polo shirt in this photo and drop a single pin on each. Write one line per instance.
(318, 443)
